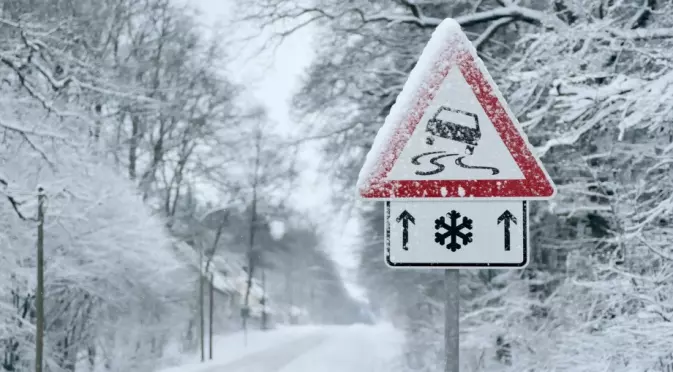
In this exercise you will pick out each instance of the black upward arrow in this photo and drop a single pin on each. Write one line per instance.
(405, 217)
(507, 217)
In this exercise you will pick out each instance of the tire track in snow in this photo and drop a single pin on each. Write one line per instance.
(459, 162)
(439, 166)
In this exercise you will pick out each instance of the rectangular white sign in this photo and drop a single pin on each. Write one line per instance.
(457, 234)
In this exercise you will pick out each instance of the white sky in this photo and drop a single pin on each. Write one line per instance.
(272, 79)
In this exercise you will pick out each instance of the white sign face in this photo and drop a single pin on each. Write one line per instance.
(455, 140)
(457, 234)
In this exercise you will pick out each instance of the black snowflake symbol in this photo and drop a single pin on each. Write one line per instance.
(453, 231)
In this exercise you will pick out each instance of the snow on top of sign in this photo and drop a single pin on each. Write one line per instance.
(449, 47)
(439, 42)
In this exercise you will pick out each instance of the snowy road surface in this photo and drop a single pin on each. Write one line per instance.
(273, 359)
(356, 348)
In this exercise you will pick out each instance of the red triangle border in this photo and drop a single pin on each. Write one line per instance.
(535, 184)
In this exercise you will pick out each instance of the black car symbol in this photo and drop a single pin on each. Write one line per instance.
(444, 124)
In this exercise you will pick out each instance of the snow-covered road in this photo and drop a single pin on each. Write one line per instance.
(356, 348)
(273, 359)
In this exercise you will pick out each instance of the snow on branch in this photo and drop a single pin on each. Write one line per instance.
(33, 92)
(24, 130)
(41, 52)
(513, 12)
(642, 34)
(655, 250)
(14, 202)
(272, 11)
(637, 102)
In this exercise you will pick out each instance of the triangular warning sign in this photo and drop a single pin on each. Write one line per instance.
(451, 134)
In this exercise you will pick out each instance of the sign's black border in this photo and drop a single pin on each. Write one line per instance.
(474, 265)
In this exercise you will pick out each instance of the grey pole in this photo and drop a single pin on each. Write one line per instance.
(451, 320)
(39, 293)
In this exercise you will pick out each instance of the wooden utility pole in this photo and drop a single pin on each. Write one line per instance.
(210, 316)
(252, 260)
(201, 310)
(264, 297)
(211, 289)
(39, 295)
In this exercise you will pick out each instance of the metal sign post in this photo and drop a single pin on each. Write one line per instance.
(452, 320)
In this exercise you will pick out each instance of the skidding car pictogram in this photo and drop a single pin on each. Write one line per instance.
(444, 124)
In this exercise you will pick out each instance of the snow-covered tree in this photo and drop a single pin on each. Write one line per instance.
(70, 71)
